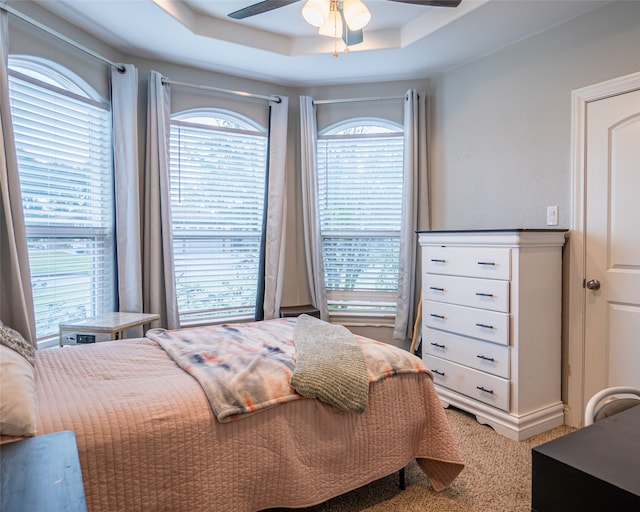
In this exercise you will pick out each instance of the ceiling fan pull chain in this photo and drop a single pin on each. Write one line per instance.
(335, 30)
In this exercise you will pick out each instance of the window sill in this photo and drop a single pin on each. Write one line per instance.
(360, 319)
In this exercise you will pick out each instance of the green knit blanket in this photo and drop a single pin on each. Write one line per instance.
(329, 365)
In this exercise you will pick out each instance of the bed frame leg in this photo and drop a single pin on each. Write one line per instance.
(402, 482)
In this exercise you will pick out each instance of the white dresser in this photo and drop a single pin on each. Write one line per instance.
(491, 316)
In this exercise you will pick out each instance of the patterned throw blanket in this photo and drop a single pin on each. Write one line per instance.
(246, 367)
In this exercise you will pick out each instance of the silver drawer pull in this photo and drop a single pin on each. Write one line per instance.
(486, 263)
(480, 294)
(482, 388)
(438, 372)
(437, 316)
(439, 346)
(438, 261)
(436, 288)
(485, 326)
(486, 358)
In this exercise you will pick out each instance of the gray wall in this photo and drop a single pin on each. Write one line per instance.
(501, 126)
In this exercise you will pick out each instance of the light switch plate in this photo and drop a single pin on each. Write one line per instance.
(552, 215)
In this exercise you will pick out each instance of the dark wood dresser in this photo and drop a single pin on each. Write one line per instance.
(594, 468)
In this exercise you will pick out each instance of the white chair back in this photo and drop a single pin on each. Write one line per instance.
(594, 406)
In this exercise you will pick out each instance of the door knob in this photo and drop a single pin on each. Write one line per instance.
(593, 284)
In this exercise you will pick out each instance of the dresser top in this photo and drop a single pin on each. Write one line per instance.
(496, 230)
(494, 237)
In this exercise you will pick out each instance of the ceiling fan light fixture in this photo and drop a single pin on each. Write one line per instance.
(332, 27)
(316, 12)
(356, 14)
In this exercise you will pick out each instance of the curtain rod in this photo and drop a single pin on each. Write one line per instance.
(218, 89)
(52, 32)
(353, 100)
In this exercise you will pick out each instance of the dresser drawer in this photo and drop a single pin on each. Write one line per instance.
(475, 384)
(481, 355)
(483, 262)
(466, 291)
(476, 323)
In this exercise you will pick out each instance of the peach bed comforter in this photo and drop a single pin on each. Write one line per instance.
(148, 440)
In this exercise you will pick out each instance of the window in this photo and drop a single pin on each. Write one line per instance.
(63, 144)
(218, 172)
(360, 175)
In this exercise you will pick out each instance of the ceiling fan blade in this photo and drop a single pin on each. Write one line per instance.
(431, 3)
(259, 8)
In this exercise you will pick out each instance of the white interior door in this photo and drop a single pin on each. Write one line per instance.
(612, 243)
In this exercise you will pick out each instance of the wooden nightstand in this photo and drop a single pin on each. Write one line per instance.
(113, 324)
(594, 468)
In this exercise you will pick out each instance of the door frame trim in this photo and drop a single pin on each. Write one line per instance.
(575, 307)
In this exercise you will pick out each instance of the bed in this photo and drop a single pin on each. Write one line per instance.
(150, 438)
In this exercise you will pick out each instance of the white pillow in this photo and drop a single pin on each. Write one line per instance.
(18, 406)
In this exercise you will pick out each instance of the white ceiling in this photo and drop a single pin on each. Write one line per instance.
(401, 42)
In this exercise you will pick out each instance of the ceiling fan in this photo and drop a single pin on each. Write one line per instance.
(340, 24)
(270, 5)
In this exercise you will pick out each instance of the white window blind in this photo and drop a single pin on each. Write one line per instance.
(360, 200)
(218, 170)
(63, 145)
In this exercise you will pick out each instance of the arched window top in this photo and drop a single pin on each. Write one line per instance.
(54, 74)
(219, 118)
(362, 126)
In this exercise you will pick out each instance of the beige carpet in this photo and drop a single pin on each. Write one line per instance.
(497, 477)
